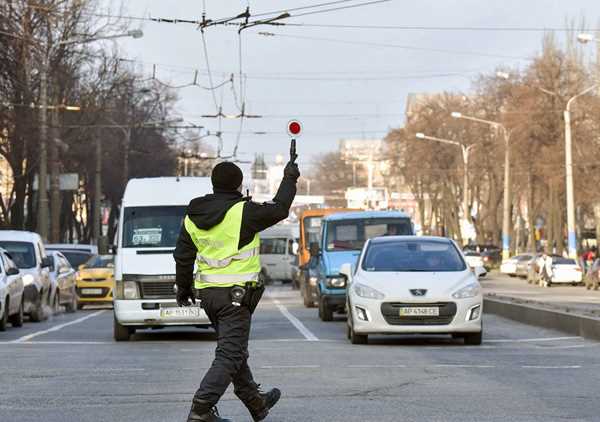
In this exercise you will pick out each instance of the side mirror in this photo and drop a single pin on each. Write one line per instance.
(12, 271)
(63, 270)
(314, 249)
(47, 262)
(480, 272)
(346, 271)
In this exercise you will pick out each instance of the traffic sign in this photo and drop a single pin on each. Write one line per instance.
(294, 128)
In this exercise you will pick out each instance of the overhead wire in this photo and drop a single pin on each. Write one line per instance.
(334, 9)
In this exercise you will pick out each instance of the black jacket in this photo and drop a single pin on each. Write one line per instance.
(209, 210)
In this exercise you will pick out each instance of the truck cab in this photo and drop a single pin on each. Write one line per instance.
(152, 214)
(342, 238)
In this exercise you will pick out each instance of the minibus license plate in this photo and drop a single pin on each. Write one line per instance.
(420, 311)
(183, 312)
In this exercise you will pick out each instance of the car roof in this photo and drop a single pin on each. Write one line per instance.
(19, 236)
(165, 191)
(322, 212)
(72, 247)
(365, 215)
(391, 239)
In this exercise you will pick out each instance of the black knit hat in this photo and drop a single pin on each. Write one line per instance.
(226, 176)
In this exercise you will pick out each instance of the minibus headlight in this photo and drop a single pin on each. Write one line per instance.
(127, 290)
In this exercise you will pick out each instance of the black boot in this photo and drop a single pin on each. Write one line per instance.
(259, 408)
(203, 412)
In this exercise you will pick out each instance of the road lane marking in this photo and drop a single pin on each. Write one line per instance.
(290, 367)
(295, 321)
(376, 366)
(458, 365)
(551, 367)
(531, 340)
(28, 337)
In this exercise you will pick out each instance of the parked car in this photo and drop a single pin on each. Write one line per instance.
(475, 261)
(592, 278)
(76, 254)
(64, 287)
(95, 280)
(490, 254)
(511, 265)
(407, 284)
(11, 293)
(28, 252)
(566, 271)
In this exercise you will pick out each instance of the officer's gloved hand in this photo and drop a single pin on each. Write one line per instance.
(291, 171)
(184, 295)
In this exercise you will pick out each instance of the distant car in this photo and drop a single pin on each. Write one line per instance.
(64, 287)
(407, 284)
(474, 259)
(11, 293)
(308, 283)
(95, 280)
(490, 254)
(592, 278)
(566, 271)
(510, 265)
(28, 252)
(76, 253)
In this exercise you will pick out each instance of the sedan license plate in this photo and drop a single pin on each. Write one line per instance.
(183, 312)
(91, 291)
(420, 311)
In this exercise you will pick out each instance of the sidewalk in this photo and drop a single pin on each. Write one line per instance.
(571, 299)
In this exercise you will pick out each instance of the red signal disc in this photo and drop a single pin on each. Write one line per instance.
(294, 128)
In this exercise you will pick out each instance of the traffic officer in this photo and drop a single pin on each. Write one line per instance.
(220, 234)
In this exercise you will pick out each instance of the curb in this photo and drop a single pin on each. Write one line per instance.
(577, 325)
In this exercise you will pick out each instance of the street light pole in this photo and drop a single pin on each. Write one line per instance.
(571, 229)
(465, 156)
(98, 192)
(506, 214)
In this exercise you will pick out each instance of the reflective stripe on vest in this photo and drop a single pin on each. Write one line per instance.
(221, 263)
(219, 260)
(226, 278)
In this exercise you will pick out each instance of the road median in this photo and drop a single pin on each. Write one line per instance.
(561, 318)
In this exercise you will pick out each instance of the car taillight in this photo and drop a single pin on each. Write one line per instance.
(486, 258)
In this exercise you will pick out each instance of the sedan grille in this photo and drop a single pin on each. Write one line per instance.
(391, 313)
(157, 289)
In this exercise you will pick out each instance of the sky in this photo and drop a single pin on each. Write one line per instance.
(342, 83)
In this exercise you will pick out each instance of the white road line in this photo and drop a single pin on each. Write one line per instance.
(295, 321)
(457, 365)
(531, 340)
(550, 367)
(376, 366)
(290, 367)
(76, 342)
(57, 327)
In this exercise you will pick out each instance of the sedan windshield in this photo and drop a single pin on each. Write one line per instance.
(413, 255)
(152, 227)
(22, 253)
(352, 234)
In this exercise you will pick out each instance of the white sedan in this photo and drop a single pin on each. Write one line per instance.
(11, 293)
(410, 285)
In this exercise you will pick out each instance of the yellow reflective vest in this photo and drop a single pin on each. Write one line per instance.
(219, 261)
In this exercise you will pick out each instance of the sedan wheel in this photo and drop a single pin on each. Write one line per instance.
(56, 303)
(356, 338)
(72, 305)
(17, 319)
(325, 313)
(38, 313)
(4, 319)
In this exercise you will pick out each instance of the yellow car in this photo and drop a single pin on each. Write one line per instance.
(96, 281)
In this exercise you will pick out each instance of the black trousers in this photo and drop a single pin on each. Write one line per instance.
(232, 324)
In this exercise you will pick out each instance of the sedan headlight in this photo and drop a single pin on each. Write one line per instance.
(28, 279)
(127, 290)
(336, 282)
(470, 290)
(367, 292)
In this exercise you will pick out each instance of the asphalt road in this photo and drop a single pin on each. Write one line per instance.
(68, 369)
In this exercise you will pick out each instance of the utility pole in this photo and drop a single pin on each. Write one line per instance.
(98, 192)
(54, 179)
(42, 217)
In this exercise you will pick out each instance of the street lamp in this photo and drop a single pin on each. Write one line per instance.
(42, 223)
(506, 206)
(465, 154)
